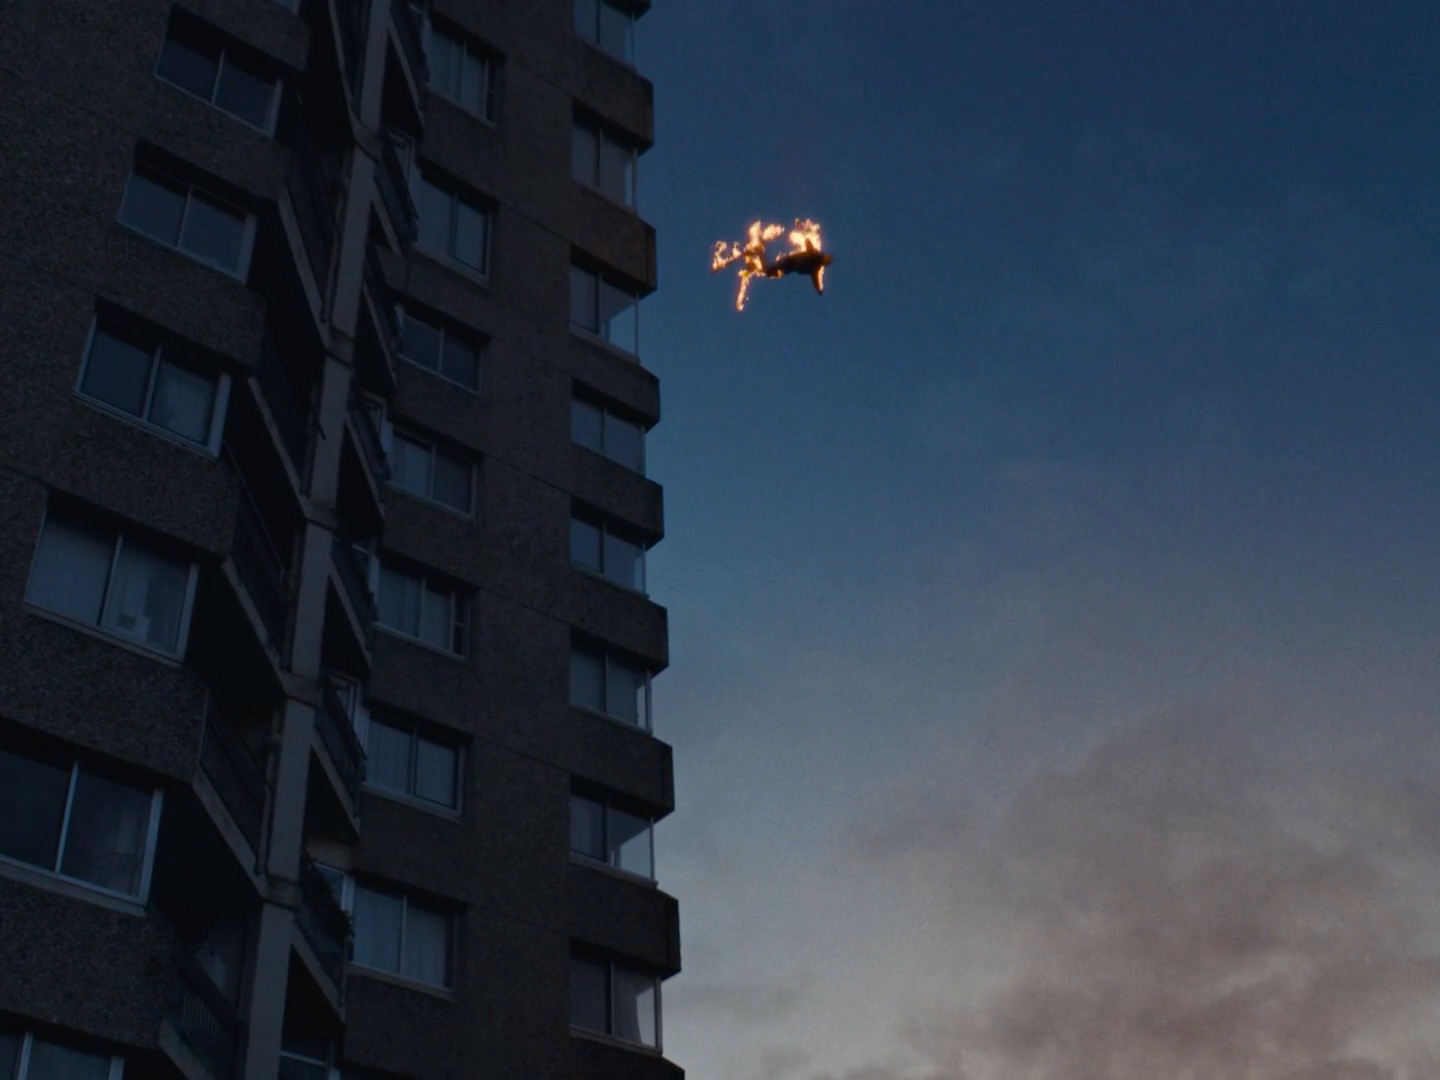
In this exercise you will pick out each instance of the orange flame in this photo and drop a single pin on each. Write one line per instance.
(804, 236)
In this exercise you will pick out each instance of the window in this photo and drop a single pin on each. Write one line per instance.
(198, 60)
(304, 1058)
(601, 832)
(599, 546)
(395, 933)
(425, 610)
(606, 684)
(616, 1000)
(132, 373)
(76, 824)
(607, 25)
(422, 468)
(431, 345)
(183, 217)
(603, 160)
(23, 1056)
(452, 226)
(100, 577)
(462, 72)
(600, 428)
(606, 310)
(401, 760)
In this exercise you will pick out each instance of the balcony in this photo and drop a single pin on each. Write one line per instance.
(203, 1018)
(367, 435)
(312, 199)
(237, 777)
(410, 46)
(354, 580)
(262, 572)
(324, 924)
(394, 188)
(337, 735)
(286, 410)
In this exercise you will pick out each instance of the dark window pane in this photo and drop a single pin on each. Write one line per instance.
(583, 286)
(153, 206)
(617, 172)
(32, 806)
(51, 1062)
(146, 597)
(399, 602)
(624, 562)
(410, 465)
(387, 753)
(589, 995)
(436, 772)
(587, 827)
(585, 544)
(214, 233)
(616, 32)
(420, 342)
(245, 95)
(437, 618)
(295, 1069)
(462, 363)
(587, 18)
(625, 693)
(183, 402)
(583, 153)
(587, 679)
(471, 239)
(433, 207)
(9, 1049)
(377, 929)
(427, 946)
(109, 826)
(628, 843)
(617, 317)
(72, 564)
(192, 68)
(587, 425)
(625, 442)
(474, 82)
(453, 485)
(444, 58)
(117, 371)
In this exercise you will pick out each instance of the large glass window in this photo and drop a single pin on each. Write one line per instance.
(133, 373)
(414, 607)
(463, 72)
(69, 821)
(606, 684)
(397, 934)
(599, 307)
(609, 25)
(183, 217)
(453, 226)
(400, 759)
(601, 159)
(26, 1057)
(605, 431)
(97, 576)
(422, 468)
(616, 1000)
(599, 546)
(199, 60)
(615, 837)
(431, 345)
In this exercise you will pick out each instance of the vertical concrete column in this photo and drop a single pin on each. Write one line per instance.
(267, 997)
(373, 87)
(287, 823)
(345, 307)
(315, 556)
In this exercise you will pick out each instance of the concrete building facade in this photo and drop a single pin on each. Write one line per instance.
(325, 651)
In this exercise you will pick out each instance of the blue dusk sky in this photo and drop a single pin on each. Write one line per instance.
(1055, 602)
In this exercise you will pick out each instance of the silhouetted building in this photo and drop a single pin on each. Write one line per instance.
(325, 653)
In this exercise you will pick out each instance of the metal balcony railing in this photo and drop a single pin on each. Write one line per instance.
(263, 573)
(238, 778)
(395, 191)
(355, 582)
(323, 923)
(337, 735)
(203, 1017)
(371, 447)
(285, 407)
(410, 45)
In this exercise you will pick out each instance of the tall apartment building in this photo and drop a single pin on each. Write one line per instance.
(325, 652)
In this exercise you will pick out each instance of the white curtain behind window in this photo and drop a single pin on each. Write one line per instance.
(634, 1007)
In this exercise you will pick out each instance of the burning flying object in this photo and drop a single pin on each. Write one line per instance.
(806, 256)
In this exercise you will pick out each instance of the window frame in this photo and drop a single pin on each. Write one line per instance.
(594, 42)
(99, 627)
(349, 884)
(433, 449)
(602, 133)
(277, 82)
(442, 327)
(218, 408)
(597, 335)
(606, 413)
(160, 176)
(457, 598)
(27, 1041)
(362, 718)
(607, 804)
(448, 188)
(599, 521)
(470, 46)
(607, 656)
(18, 868)
(609, 1032)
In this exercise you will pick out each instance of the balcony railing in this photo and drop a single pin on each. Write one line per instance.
(370, 445)
(337, 734)
(354, 580)
(324, 923)
(203, 1017)
(409, 35)
(237, 776)
(286, 409)
(311, 197)
(263, 573)
(395, 191)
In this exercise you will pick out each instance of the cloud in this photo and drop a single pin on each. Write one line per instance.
(746, 1003)
(1187, 902)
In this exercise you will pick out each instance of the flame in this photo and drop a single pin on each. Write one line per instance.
(804, 235)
